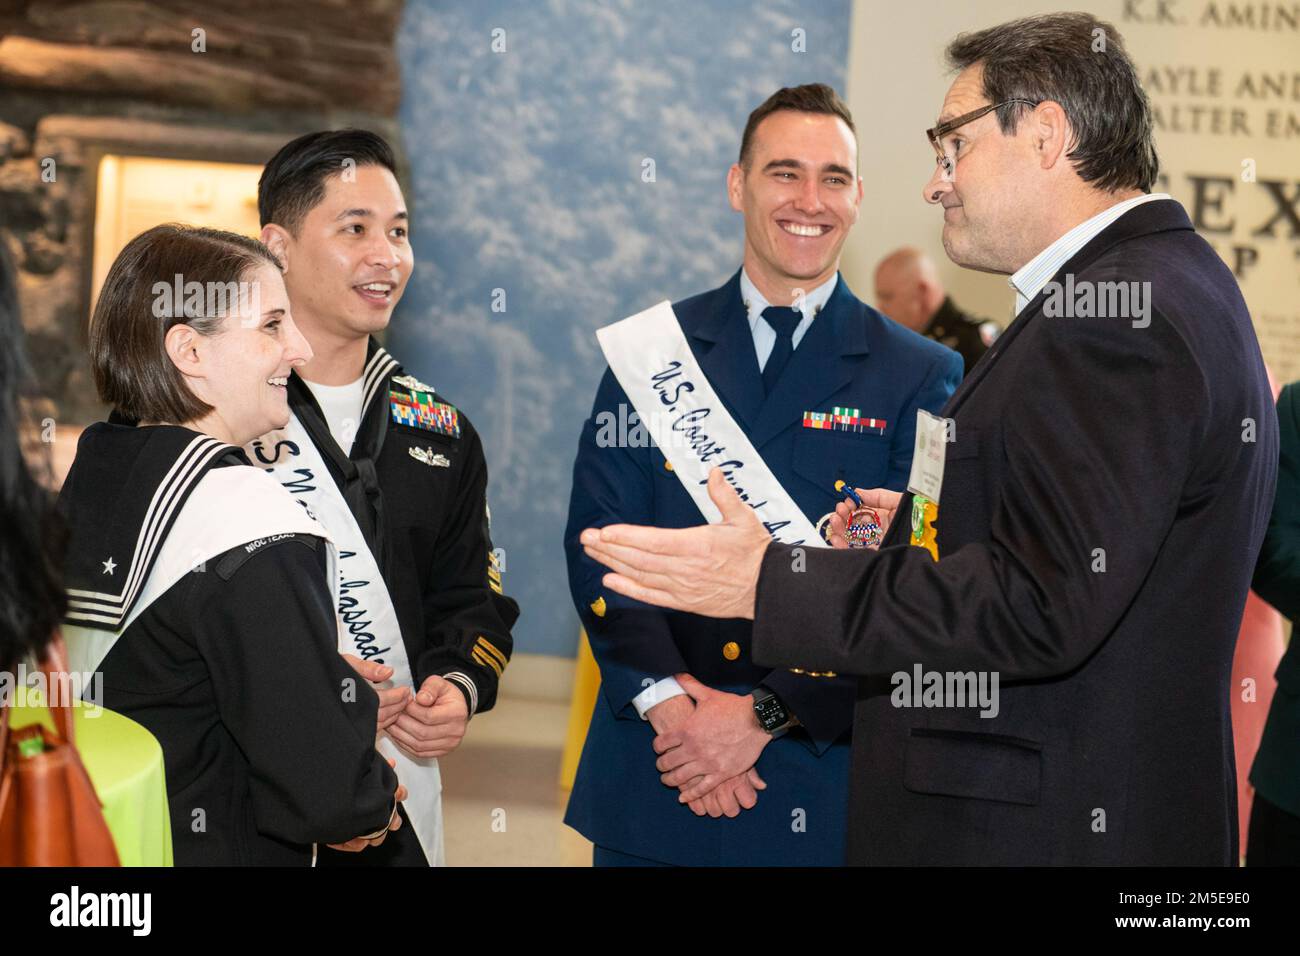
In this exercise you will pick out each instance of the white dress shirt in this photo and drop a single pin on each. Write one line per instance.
(764, 334)
(1030, 278)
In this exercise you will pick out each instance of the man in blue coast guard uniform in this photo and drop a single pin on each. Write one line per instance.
(695, 755)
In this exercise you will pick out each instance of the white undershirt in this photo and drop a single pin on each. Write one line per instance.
(341, 406)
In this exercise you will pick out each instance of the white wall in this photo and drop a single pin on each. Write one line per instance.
(1212, 57)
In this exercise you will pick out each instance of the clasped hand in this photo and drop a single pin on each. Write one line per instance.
(708, 742)
(430, 723)
(357, 844)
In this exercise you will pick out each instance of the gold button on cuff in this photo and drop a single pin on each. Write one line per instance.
(731, 650)
(668, 466)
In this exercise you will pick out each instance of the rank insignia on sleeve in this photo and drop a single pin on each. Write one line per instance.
(417, 409)
(843, 419)
(485, 654)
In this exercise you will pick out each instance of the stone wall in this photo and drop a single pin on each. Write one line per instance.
(169, 78)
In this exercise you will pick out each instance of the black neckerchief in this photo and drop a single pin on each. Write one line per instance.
(354, 473)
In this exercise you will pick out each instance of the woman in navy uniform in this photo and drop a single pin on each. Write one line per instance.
(197, 587)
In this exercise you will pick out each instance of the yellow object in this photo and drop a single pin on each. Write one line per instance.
(586, 685)
(487, 655)
(598, 606)
(668, 465)
(731, 650)
(924, 513)
(800, 670)
(839, 484)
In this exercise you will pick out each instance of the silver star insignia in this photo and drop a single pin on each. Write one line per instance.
(109, 566)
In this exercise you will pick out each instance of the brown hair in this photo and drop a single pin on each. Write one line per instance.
(133, 372)
(809, 98)
(1080, 62)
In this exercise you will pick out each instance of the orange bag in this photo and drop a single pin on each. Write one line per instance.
(50, 814)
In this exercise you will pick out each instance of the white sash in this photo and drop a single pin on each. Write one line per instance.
(650, 357)
(368, 625)
(228, 507)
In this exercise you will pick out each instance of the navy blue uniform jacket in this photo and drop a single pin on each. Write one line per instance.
(851, 356)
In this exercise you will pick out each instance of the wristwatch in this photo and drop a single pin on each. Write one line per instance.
(771, 712)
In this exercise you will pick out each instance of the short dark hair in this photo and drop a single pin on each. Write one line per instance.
(1054, 57)
(32, 599)
(293, 182)
(809, 98)
(128, 354)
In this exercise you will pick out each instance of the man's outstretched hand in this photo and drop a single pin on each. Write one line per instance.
(710, 569)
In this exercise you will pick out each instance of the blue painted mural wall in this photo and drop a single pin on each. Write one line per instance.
(527, 125)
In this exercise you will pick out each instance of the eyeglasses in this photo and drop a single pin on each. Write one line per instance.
(946, 157)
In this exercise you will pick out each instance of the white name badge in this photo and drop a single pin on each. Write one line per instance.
(932, 433)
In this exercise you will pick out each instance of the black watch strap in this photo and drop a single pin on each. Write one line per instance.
(773, 716)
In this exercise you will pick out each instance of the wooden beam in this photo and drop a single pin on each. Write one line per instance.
(197, 79)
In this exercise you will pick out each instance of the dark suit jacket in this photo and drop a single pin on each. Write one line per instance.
(1101, 510)
(850, 356)
(1276, 771)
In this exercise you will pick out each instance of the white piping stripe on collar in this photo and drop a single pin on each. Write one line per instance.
(190, 464)
(381, 363)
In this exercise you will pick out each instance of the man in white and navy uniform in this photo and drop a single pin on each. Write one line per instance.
(394, 471)
(825, 388)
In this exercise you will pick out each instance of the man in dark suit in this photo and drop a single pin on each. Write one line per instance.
(1274, 838)
(826, 389)
(1105, 484)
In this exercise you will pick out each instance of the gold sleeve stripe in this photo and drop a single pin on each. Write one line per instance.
(487, 645)
(486, 661)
